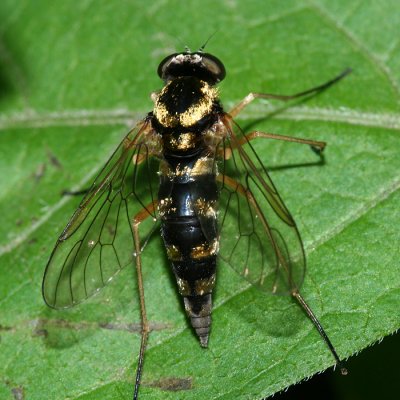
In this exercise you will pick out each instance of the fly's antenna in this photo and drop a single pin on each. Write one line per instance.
(205, 44)
(182, 43)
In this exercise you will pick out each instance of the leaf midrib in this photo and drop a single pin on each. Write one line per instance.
(124, 116)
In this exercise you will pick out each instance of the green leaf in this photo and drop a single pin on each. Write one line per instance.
(75, 75)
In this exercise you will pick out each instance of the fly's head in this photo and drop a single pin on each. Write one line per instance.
(201, 65)
(187, 104)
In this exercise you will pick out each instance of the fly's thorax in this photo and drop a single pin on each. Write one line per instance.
(184, 101)
(190, 144)
(181, 142)
(184, 110)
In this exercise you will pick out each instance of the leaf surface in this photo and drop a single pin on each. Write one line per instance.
(75, 75)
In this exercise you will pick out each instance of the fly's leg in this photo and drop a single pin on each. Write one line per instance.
(316, 145)
(317, 324)
(266, 135)
(241, 190)
(252, 96)
(137, 220)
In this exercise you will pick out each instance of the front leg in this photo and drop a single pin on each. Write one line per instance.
(252, 96)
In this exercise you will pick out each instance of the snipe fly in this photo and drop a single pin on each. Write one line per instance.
(210, 182)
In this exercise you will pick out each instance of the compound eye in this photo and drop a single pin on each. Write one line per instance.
(214, 66)
(201, 65)
(164, 65)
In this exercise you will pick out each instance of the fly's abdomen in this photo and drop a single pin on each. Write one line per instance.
(193, 260)
(187, 205)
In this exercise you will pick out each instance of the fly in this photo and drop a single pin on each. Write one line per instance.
(210, 181)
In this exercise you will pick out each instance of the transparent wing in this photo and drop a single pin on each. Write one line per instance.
(98, 242)
(258, 236)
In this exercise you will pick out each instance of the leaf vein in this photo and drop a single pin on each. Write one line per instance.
(126, 117)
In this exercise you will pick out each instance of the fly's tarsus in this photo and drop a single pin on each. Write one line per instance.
(320, 329)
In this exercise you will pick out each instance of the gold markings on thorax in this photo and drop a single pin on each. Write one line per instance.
(197, 111)
(192, 115)
(181, 142)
